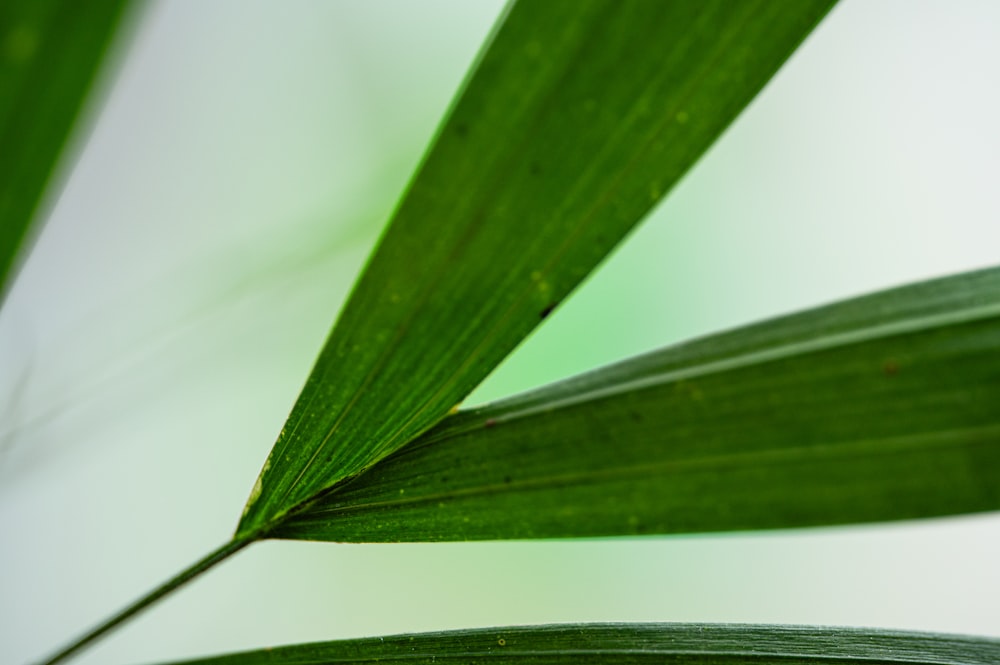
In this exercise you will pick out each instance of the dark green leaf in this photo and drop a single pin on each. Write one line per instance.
(880, 408)
(578, 119)
(50, 51)
(624, 644)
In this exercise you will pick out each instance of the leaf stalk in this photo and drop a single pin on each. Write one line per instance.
(179, 580)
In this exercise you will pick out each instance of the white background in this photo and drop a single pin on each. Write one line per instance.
(236, 178)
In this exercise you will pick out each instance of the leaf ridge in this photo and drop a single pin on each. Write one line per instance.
(977, 436)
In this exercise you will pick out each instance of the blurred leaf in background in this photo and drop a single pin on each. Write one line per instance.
(50, 53)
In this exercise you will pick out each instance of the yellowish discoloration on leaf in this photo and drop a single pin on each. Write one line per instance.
(257, 486)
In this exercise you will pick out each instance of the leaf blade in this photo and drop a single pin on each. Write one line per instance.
(705, 644)
(886, 416)
(52, 50)
(547, 160)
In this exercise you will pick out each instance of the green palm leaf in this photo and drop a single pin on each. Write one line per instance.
(578, 118)
(634, 644)
(878, 408)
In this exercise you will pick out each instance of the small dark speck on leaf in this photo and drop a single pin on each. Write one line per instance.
(548, 310)
(890, 368)
(444, 479)
(490, 422)
(506, 480)
(462, 129)
(534, 168)
(635, 416)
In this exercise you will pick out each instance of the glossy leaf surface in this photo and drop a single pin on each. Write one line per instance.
(577, 119)
(879, 408)
(625, 644)
(50, 51)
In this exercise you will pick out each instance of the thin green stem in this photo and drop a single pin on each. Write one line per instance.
(196, 569)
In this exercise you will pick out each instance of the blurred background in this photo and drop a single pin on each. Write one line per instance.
(245, 159)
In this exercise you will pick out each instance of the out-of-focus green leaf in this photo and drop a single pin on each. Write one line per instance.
(881, 408)
(578, 118)
(50, 51)
(632, 644)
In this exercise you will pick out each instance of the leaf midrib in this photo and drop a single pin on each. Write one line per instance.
(759, 357)
(773, 456)
(744, 656)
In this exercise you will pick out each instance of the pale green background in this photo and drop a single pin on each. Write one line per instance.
(247, 156)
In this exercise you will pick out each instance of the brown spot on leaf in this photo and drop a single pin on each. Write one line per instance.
(490, 422)
(890, 368)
